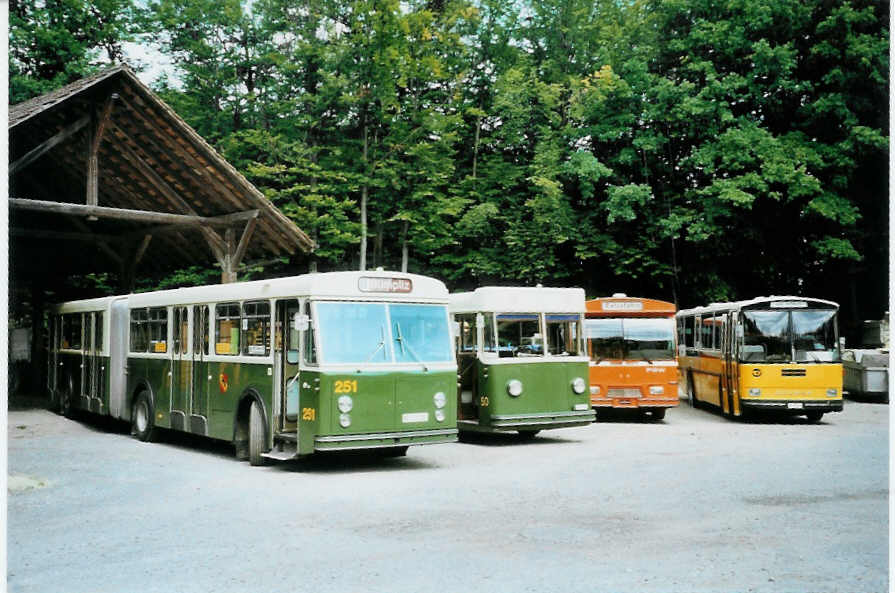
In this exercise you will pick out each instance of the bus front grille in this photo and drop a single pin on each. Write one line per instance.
(793, 372)
(626, 392)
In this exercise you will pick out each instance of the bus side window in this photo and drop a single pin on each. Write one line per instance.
(226, 332)
(139, 330)
(490, 344)
(158, 329)
(256, 328)
(468, 334)
(71, 331)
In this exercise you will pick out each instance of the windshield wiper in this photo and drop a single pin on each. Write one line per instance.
(379, 345)
(400, 339)
(642, 355)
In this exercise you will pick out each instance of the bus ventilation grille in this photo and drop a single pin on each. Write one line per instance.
(793, 372)
(628, 392)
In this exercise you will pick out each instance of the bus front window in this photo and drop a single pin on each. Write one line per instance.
(649, 339)
(766, 336)
(814, 336)
(519, 334)
(353, 332)
(606, 339)
(563, 335)
(420, 333)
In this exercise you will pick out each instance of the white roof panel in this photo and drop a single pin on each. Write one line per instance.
(518, 299)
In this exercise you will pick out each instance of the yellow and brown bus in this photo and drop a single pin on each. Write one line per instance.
(778, 353)
(630, 342)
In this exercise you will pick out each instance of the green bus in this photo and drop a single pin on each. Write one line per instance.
(281, 368)
(522, 363)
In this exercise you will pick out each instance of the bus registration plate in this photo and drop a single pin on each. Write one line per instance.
(795, 406)
(415, 417)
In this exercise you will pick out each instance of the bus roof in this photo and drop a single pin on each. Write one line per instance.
(97, 304)
(368, 286)
(518, 299)
(625, 306)
(781, 302)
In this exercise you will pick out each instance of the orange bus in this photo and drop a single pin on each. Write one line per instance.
(632, 354)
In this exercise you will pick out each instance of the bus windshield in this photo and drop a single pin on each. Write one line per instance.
(359, 333)
(789, 336)
(519, 334)
(630, 339)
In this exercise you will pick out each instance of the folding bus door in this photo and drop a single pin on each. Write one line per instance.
(181, 370)
(200, 379)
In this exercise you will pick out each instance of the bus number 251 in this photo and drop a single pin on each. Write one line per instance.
(347, 386)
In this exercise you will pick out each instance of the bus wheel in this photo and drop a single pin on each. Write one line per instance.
(143, 418)
(814, 417)
(527, 435)
(393, 451)
(691, 392)
(64, 403)
(657, 414)
(256, 435)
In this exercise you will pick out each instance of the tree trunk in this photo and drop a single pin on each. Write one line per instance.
(363, 205)
(405, 251)
(377, 246)
(475, 146)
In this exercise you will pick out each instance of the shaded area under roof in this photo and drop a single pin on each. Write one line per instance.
(145, 159)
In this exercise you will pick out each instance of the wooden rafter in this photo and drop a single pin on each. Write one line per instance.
(41, 149)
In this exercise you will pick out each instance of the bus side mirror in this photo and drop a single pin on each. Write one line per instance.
(301, 322)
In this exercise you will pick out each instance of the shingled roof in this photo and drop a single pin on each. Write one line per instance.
(147, 159)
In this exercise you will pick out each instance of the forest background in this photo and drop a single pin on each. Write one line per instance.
(690, 150)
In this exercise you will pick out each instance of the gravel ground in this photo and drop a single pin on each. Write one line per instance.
(694, 503)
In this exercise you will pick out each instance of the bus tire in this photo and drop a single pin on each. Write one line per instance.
(657, 415)
(65, 397)
(814, 417)
(393, 451)
(256, 435)
(143, 418)
(527, 435)
(691, 392)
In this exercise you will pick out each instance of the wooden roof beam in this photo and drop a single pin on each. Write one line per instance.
(41, 149)
(167, 218)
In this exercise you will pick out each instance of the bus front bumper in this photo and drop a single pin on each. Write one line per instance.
(385, 439)
(633, 402)
(793, 406)
(508, 423)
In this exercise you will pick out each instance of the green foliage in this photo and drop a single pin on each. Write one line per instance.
(685, 149)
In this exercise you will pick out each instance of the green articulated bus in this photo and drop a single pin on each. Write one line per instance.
(281, 368)
(521, 359)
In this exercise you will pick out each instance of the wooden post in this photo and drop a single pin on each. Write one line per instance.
(94, 138)
(228, 270)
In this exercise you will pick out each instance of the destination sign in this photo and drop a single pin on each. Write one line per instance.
(622, 306)
(789, 305)
(374, 284)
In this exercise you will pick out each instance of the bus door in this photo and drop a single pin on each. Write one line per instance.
(90, 362)
(53, 354)
(181, 370)
(727, 364)
(200, 379)
(733, 368)
(95, 365)
(286, 365)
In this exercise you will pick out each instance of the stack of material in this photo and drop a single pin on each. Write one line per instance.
(866, 372)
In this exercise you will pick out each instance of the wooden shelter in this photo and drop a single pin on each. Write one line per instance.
(104, 176)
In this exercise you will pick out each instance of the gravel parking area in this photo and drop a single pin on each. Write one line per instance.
(694, 503)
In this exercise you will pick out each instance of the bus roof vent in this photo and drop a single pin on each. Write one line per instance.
(379, 269)
(619, 295)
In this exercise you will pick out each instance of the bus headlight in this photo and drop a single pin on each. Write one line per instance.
(832, 392)
(595, 390)
(440, 399)
(578, 385)
(344, 420)
(345, 403)
(755, 392)
(439, 415)
(514, 387)
(656, 390)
